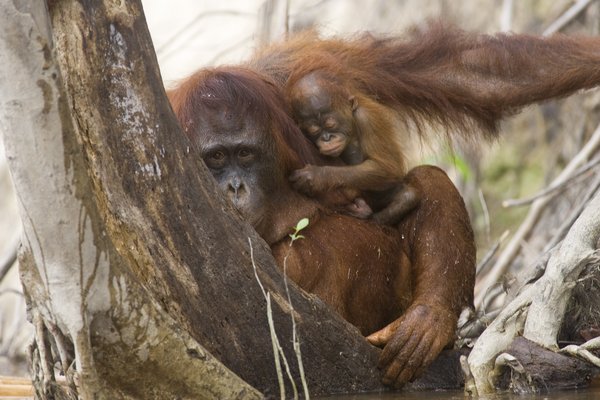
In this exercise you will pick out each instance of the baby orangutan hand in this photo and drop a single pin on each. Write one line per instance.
(413, 341)
(308, 180)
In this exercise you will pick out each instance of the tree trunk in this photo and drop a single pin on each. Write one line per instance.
(91, 314)
(137, 270)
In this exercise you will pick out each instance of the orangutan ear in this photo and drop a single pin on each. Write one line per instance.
(353, 102)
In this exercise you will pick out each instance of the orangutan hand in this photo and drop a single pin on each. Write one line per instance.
(413, 341)
(308, 180)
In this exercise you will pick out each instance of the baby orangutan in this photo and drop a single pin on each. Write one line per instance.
(364, 135)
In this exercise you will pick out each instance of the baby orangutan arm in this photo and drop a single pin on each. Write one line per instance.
(314, 180)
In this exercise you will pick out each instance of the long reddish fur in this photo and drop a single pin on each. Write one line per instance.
(244, 92)
(442, 75)
(391, 269)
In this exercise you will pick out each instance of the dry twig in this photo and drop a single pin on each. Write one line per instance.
(555, 187)
(9, 259)
(567, 17)
(513, 247)
(506, 15)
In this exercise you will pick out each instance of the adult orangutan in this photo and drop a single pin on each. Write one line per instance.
(463, 82)
(418, 276)
(356, 98)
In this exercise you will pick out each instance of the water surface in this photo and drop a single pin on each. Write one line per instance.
(582, 394)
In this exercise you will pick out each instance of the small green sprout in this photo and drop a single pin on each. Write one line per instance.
(303, 223)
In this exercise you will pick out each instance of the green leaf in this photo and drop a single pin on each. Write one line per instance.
(303, 223)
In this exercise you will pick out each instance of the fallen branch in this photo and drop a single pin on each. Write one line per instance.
(584, 351)
(535, 369)
(14, 380)
(538, 310)
(513, 247)
(16, 390)
(530, 275)
(17, 386)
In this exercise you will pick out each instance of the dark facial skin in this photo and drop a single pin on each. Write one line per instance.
(329, 126)
(231, 149)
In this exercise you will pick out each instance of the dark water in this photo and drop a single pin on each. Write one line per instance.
(583, 394)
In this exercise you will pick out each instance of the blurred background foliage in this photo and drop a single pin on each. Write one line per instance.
(534, 147)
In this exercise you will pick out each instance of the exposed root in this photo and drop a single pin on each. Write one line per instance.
(51, 345)
(584, 351)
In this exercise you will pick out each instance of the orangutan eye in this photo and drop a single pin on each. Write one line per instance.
(217, 156)
(313, 130)
(246, 156)
(215, 159)
(330, 123)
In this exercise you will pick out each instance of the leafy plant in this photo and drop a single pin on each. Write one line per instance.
(303, 223)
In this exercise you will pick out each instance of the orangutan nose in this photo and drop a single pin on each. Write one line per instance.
(235, 187)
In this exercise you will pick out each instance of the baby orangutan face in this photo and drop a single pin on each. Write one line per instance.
(324, 114)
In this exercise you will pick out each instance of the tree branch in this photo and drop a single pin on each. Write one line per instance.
(539, 308)
(513, 247)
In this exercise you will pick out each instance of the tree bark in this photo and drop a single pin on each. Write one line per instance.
(539, 367)
(135, 266)
(90, 314)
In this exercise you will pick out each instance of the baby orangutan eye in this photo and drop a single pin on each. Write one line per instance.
(330, 123)
(313, 129)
